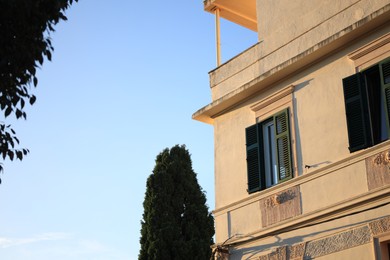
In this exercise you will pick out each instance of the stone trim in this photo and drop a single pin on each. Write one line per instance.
(371, 53)
(381, 226)
(273, 98)
(279, 254)
(339, 242)
(296, 251)
(331, 244)
(280, 206)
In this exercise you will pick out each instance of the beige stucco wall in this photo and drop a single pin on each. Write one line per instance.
(281, 21)
(230, 162)
(320, 114)
(296, 26)
(343, 184)
(320, 139)
(320, 127)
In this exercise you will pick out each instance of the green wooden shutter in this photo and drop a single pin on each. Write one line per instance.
(385, 82)
(253, 158)
(356, 108)
(283, 145)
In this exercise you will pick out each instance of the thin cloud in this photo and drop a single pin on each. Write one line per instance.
(6, 242)
(63, 246)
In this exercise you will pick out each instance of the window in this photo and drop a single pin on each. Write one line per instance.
(385, 250)
(268, 152)
(367, 105)
(382, 246)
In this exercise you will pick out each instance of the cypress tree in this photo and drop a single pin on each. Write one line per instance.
(176, 222)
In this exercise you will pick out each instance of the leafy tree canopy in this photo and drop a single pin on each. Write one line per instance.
(25, 27)
(176, 222)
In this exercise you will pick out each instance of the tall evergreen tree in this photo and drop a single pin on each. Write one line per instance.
(176, 222)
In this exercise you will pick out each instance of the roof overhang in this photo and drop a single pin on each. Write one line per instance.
(239, 12)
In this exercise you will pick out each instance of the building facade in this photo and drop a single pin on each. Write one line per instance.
(301, 131)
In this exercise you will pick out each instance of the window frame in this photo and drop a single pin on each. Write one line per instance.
(265, 110)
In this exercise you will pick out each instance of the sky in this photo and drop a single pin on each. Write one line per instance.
(124, 81)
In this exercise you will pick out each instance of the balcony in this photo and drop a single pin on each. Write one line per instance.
(239, 12)
(269, 61)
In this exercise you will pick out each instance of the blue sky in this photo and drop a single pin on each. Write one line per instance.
(125, 78)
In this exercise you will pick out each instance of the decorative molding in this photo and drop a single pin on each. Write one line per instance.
(371, 53)
(381, 226)
(376, 198)
(296, 251)
(280, 206)
(370, 47)
(353, 237)
(273, 98)
(279, 198)
(378, 170)
(279, 254)
(339, 242)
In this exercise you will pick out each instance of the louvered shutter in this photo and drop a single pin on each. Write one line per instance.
(283, 146)
(385, 82)
(253, 158)
(356, 108)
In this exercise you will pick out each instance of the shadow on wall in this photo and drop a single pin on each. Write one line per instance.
(296, 121)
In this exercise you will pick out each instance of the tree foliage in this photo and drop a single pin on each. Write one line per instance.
(176, 222)
(25, 27)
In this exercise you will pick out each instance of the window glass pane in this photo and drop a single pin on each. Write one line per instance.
(269, 153)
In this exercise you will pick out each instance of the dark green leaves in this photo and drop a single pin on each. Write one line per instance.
(32, 99)
(8, 111)
(8, 141)
(25, 27)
